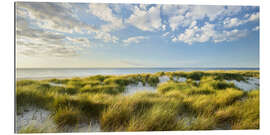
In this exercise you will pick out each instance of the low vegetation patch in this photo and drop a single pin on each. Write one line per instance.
(205, 100)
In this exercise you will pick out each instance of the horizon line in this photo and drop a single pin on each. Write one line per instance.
(117, 67)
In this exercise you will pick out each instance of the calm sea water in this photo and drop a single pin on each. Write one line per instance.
(37, 73)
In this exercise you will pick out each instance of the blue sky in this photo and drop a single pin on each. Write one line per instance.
(136, 35)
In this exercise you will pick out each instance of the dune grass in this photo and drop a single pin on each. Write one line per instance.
(204, 101)
(242, 114)
(66, 116)
(31, 128)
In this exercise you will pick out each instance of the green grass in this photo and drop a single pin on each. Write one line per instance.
(209, 103)
(117, 116)
(242, 114)
(109, 89)
(170, 85)
(30, 95)
(66, 116)
(32, 128)
(160, 117)
(139, 112)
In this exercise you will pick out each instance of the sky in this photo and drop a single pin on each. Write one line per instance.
(90, 35)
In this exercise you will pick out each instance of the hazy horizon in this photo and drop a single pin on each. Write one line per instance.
(123, 67)
(82, 35)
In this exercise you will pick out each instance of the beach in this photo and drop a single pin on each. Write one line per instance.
(163, 101)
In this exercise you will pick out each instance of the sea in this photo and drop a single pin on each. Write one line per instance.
(47, 73)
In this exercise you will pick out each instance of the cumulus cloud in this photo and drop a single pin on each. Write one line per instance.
(136, 39)
(208, 33)
(233, 22)
(165, 34)
(229, 35)
(199, 12)
(146, 20)
(106, 37)
(103, 12)
(83, 41)
(196, 34)
(53, 16)
(256, 28)
(254, 17)
(187, 17)
(62, 17)
(163, 27)
(176, 21)
(60, 25)
(38, 42)
(183, 16)
(34, 49)
(40, 48)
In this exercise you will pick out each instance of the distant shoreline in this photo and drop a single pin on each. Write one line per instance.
(115, 73)
(213, 68)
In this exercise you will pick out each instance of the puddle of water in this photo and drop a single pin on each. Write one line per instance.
(251, 84)
(133, 88)
(56, 84)
(179, 79)
(163, 79)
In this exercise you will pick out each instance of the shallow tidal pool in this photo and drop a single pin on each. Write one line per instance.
(251, 84)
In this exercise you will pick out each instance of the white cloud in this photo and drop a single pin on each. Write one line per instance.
(61, 17)
(208, 33)
(37, 21)
(256, 28)
(247, 15)
(176, 21)
(229, 35)
(163, 27)
(196, 34)
(174, 39)
(172, 10)
(103, 12)
(176, 15)
(38, 42)
(83, 41)
(136, 39)
(53, 16)
(48, 44)
(165, 34)
(106, 37)
(187, 18)
(194, 23)
(254, 17)
(146, 20)
(232, 22)
(212, 12)
(183, 16)
(116, 8)
(232, 10)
